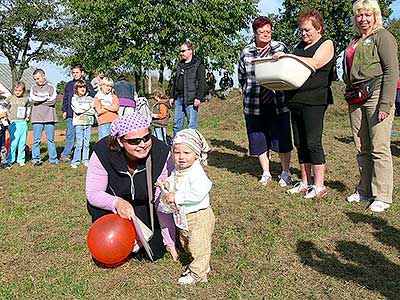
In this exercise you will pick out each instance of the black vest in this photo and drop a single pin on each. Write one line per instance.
(190, 81)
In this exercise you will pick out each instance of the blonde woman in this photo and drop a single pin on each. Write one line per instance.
(372, 54)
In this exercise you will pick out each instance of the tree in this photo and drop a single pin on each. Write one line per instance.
(30, 31)
(143, 35)
(337, 16)
(394, 27)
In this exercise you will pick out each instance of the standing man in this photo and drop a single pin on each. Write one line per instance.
(43, 96)
(188, 88)
(77, 74)
(97, 80)
(266, 115)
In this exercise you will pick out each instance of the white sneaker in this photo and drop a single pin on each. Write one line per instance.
(186, 270)
(74, 166)
(316, 192)
(285, 179)
(378, 206)
(357, 197)
(189, 279)
(265, 179)
(21, 164)
(299, 187)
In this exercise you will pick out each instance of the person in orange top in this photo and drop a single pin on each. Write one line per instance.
(106, 105)
(160, 114)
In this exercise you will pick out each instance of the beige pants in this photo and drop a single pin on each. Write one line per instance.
(372, 140)
(197, 241)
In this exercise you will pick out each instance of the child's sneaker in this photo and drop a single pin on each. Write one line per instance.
(316, 192)
(21, 164)
(298, 188)
(285, 178)
(74, 166)
(189, 279)
(265, 179)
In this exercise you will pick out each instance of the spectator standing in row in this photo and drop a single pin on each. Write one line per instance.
(43, 96)
(188, 89)
(226, 85)
(266, 114)
(77, 72)
(106, 105)
(97, 80)
(125, 91)
(20, 111)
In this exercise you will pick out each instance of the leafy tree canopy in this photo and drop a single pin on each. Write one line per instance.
(30, 31)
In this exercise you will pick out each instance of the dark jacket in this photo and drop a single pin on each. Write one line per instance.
(124, 89)
(132, 188)
(194, 81)
(69, 92)
(226, 82)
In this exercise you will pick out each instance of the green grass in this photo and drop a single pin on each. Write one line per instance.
(267, 245)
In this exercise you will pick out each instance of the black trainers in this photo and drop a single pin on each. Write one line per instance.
(37, 163)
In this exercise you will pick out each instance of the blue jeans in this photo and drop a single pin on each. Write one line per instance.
(182, 111)
(83, 134)
(69, 139)
(18, 130)
(37, 138)
(104, 130)
(161, 133)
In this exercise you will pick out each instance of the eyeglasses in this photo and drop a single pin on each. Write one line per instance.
(183, 50)
(263, 32)
(137, 141)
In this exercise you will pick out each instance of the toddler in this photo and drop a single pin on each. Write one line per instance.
(83, 118)
(188, 188)
(19, 115)
(160, 114)
(106, 105)
(4, 113)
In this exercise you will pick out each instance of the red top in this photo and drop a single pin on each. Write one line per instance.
(398, 84)
(350, 57)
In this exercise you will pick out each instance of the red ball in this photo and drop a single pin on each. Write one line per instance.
(111, 239)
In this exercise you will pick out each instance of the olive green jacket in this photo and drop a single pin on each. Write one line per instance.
(376, 56)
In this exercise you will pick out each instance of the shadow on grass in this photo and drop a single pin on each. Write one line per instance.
(336, 185)
(240, 165)
(395, 147)
(228, 144)
(384, 233)
(356, 262)
(345, 139)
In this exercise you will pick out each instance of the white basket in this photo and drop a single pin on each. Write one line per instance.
(289, 72)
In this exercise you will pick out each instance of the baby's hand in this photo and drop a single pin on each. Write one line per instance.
(170, 197)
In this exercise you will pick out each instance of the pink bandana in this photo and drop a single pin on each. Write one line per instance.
(128, 123)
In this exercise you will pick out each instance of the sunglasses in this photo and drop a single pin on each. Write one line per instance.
(183, 50)
(137, 141)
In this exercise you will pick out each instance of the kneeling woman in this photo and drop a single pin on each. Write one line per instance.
(117, 178)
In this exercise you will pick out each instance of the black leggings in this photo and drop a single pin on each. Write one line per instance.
(307, 124)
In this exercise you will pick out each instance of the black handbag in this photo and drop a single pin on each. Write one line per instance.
(360, 92)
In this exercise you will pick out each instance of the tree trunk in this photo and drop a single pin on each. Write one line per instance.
(161, 76)
(138, 82)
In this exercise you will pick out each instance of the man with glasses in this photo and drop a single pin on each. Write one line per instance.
(266, 114)
(188, 88)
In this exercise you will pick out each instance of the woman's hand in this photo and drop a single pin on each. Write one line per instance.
(277, 55)
(382, 115)
(124, 209)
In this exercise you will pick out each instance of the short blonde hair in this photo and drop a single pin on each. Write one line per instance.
(373, 7)
(106, 81)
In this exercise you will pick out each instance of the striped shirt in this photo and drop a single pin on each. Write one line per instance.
(250, 86)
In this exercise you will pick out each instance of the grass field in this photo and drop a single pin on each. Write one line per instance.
(267, 245)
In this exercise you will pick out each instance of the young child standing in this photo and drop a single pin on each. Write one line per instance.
(160, 114)
(106, 105)
(83, 118)
(4, 113)
(188, 187)
(20, 111)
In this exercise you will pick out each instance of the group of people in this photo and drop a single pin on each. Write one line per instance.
(225, 84)
(271, 116)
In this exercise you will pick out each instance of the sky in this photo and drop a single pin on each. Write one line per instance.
(56, 73)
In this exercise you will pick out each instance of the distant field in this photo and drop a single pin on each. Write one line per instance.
(267, 245)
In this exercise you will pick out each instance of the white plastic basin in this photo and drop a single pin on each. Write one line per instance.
(288, 73)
